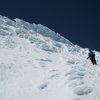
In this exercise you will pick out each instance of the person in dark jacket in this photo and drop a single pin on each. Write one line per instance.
(91, 56)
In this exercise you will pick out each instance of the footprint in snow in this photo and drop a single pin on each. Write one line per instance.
(43, 86)
(54, 76)
(85, 90)
(77, 99)
(43, 66)
(70, 62)
(46, 60)
(53, 70)
(69, 73)
(73, 72)
(75, 76)
(82, 69)
(81, 73)
(75, 84)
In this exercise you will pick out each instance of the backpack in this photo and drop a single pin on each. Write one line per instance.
(91, 54)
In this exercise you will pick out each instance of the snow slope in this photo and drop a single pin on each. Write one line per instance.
(39, 64)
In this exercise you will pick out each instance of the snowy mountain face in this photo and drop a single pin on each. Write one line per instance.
(39, 64)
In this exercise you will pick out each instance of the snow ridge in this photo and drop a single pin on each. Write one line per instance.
(30, 28)
(41, 36)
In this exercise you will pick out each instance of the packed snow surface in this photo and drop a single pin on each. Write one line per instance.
(39, 64)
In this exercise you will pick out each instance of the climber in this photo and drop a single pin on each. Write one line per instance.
(91, 56)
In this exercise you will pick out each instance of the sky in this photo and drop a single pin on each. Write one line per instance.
(76, 20)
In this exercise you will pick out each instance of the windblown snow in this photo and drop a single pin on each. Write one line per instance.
(38, 64)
